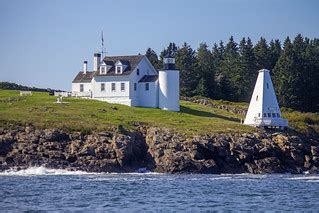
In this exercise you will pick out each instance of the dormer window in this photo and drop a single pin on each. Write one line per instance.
(120, 66)
(103, 70)
(118, 70)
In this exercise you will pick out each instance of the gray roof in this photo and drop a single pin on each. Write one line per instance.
(149, 78)
(83, 78)
(131, 63)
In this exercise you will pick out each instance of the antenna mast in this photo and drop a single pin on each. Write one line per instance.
(102, 46)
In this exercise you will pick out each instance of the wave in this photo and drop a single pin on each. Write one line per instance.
(306, 178)
(41, 170)
(33, 171)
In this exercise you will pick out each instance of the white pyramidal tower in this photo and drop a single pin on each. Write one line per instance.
(263, 109)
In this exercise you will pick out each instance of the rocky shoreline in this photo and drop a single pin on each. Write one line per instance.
(158, 150)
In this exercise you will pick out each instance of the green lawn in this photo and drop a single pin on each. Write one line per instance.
(80, 114)
(87, 115)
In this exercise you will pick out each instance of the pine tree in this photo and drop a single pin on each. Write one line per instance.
(219, 79)
(229, 70)
(306, 74)
(205, 69)
(284, 76)
(201, 89)
(185, 62)
(170, 49)
(262, 55)
(274, 51)
(153, 58)
(312, 75)
(300, 84)
(218, 53)
(248, 72)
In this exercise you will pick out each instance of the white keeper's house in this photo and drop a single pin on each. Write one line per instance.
(129, 80)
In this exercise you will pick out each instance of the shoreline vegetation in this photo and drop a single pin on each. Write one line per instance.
(205, 137)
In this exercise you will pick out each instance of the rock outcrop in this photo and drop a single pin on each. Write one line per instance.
(158, 150)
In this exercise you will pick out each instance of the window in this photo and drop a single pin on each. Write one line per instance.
(122, 87)
(273, 115)
(135, 86)
(278, 115)
(118, 69)
(269, 115)
(265, 115)
(81, 87)
(113, 87)
(257, 98)
(147, 86)
(102, 87)
(103, 70)
(258, 115)
(138, 72)
(267, 86)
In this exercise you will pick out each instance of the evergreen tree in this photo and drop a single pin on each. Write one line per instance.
(274, 51)
(229, 70)
(311, 77)
(284, 74)
(205, 69)
(299, 85)
(201, 89)
(315, 71)
(185, 62)
(170, 49)
(218, 53)
(153, 58)
(262, 55)
(219, 78)
(247, 73)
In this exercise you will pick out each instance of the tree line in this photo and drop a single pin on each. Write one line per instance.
(13, 86)
(229, 71)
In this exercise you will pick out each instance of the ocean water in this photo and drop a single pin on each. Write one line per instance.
(41, 189)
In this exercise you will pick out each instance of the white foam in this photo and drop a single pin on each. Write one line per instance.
(220, 177)
(41, 170)
(32, 171)
(308, 178)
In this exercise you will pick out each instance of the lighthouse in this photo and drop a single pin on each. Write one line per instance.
(263, 109)
(168, 85)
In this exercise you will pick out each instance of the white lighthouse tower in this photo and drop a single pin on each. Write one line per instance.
(263, 109)
(169, 85)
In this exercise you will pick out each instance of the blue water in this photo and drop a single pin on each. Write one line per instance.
(58, 190)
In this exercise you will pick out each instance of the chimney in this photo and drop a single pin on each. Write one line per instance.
(85, 67)
(96, 61)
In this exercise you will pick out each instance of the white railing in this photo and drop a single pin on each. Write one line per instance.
(82, 94)
(271, 121)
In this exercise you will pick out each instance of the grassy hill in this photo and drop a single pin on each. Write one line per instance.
(87, 115)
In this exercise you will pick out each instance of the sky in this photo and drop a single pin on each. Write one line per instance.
(43, 43)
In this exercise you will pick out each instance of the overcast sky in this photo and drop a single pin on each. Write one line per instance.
(43, 43)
